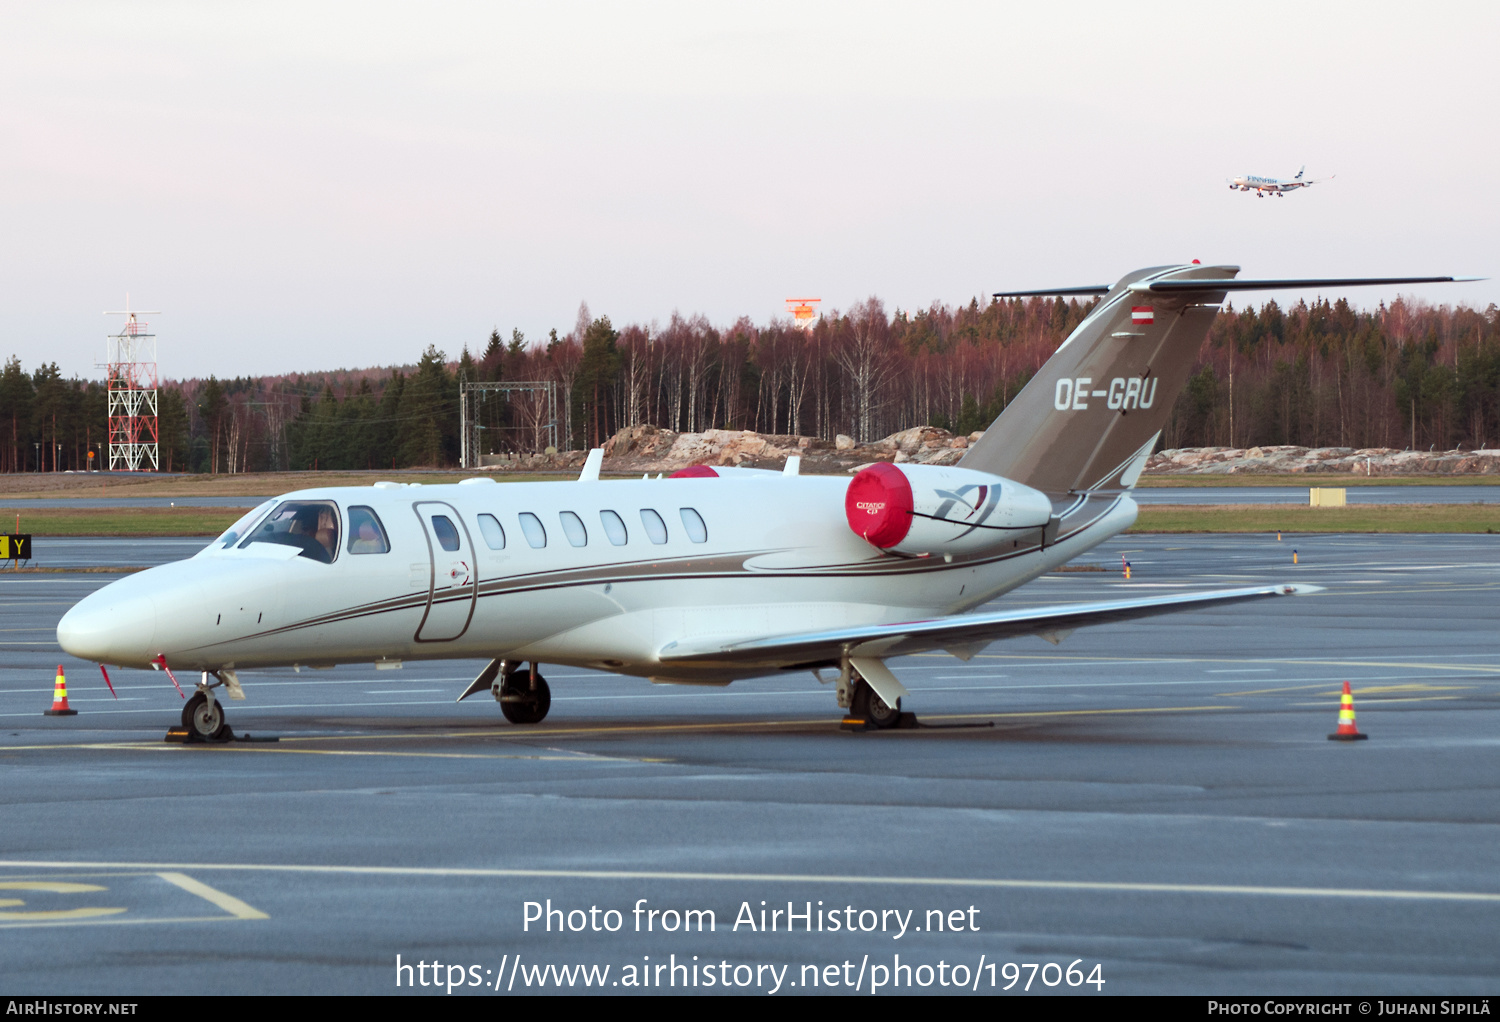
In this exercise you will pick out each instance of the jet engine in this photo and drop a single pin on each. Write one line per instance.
(915, 510)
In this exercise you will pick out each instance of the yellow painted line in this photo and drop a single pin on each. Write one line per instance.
(227, 902)
(520, 735)
(1398, 699)
(118, 921)
(579, 758)
(1001, 883)
(1278, 662)
(1415, 687)
(1335, 693)
(1075, 713)
(56, 915)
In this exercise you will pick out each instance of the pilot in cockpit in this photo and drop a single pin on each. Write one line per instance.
(316, 533)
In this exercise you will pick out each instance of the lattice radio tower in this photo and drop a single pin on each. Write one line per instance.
(130, 358)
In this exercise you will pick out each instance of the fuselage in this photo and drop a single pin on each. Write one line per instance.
(596, 574)
(1254, 183)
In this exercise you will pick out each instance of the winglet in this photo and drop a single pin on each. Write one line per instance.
(590, 473)
(793, 465)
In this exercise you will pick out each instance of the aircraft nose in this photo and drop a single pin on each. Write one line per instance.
(116, 626)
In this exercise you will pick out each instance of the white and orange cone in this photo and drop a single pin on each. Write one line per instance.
(1347, 731)
(60, 707)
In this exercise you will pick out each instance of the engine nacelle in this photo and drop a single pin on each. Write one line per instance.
(932, 509)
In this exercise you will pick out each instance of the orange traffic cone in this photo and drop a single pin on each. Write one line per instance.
(1347, 732)
(60, 706)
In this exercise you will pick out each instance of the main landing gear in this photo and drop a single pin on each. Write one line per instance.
(871, 707)
(523, 694)
(866, 704)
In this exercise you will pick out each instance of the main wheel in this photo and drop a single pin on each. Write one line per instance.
(867, 703)
(204, 718)
(520, 703)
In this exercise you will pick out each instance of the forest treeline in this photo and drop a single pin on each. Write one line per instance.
(1319, 375)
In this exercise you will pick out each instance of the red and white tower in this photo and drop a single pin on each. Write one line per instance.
(130, 360)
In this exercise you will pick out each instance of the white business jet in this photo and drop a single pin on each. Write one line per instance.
(707, 577)
(1263, 186)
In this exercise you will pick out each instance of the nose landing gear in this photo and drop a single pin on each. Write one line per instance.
(523, 695)
(203, 715)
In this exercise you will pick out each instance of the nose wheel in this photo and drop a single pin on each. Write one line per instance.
(524, 696)
(203, 715)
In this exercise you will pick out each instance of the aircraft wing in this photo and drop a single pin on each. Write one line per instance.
(960, 633)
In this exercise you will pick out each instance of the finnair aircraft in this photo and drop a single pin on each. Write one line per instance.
(1263, 186)
(710, 576)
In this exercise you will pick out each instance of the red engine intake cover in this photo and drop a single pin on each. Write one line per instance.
(878, 504)
(694, 472)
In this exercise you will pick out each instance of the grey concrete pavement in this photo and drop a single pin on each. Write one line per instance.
(1159, 799)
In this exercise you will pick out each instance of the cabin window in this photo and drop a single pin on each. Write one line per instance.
(692, 521)
(573, 528)
(531, 527)
(614, 528)
(494, 536)
(447, 535)
(656, 529)
(311, 525)
(366, 534)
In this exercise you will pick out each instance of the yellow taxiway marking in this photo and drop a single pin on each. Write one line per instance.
(822, 722)
(1354, 690)
(50, 915)
(227, 902)
(89, 916)
(1274, 662)
(1370, 893)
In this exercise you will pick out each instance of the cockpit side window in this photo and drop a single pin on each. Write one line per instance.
(237, 531)
(311, 525)
(366, 534)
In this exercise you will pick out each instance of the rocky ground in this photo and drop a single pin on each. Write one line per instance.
(1371, 461)
(650, 449)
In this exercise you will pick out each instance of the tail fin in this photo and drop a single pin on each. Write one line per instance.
(1090, 416)
(1300, 173)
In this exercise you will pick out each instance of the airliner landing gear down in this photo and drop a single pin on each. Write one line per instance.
(523, 696)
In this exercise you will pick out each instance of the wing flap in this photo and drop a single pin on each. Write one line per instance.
(971, 631)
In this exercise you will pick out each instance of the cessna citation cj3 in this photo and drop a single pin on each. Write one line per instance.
(710, 576)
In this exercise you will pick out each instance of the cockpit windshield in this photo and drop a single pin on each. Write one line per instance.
(311, 525)
(237, 531)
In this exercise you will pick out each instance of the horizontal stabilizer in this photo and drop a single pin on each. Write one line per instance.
(1087, 289)
(1180, 286)
(907, 637)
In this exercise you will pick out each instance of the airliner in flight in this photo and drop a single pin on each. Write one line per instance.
(1263, 186)
(711, 576)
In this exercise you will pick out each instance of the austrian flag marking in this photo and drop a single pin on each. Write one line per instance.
(1141, 315)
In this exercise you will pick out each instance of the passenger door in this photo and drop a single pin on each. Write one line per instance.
(454, 581)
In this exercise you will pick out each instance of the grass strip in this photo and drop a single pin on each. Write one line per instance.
(124, 522)
(1305, 480)
(1300, 518)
